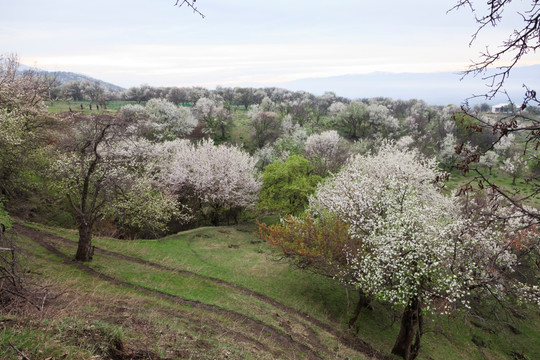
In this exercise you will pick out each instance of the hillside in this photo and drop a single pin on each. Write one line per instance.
(215, 293)
(65, 76)
(438, 88)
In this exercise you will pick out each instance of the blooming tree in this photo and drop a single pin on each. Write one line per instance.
(292, 140)
(103, 172)
(327, 151)
(447, 153)
(419, 252)
(489, 159)
(380, 120)
(349, 117)
(412, 246)
(215, 115)
(169, 120)
(24, 127)
(132, 113)
(359, 120)
(220, 177)
(514, 166)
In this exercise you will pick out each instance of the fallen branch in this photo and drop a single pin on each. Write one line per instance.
(19, 352)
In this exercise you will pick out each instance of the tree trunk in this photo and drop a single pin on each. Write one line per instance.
(85, 250)
(363, 302)
(411, 329)
(215, 216)
(223, 129)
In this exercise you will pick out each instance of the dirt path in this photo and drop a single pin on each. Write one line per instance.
(285, 340)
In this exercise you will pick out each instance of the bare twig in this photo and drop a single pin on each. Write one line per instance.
(495, 66)
(19, 352)
(190, 4)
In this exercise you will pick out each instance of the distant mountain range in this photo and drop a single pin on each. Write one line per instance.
(64, 76)
(440, 88)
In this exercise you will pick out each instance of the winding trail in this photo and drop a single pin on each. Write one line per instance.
(279, 337)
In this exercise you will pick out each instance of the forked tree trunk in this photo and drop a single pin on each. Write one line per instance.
(363, 302)
(85, 250)
(411, 330)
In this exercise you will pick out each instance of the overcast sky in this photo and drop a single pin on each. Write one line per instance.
(247, 42)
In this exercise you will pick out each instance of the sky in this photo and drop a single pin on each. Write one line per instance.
(241, 42)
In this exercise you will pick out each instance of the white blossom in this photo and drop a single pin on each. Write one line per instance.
(220, 176)
(416, 243)
(327, 151)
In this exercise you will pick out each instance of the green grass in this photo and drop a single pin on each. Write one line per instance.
(242, 131)
(499, 178)
(235, 255)
(61, 106)
(90, 316)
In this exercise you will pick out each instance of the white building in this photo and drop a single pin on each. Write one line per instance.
(501, 108)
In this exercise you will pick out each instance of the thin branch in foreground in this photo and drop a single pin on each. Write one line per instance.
(21, 354)
(190, 4)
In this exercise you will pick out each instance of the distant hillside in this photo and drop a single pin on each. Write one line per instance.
(435, 88)
(65, 76)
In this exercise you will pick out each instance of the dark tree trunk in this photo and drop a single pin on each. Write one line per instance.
(85, 250)
(411, 330)
(363, 302)
(223, 130)
(215, 216)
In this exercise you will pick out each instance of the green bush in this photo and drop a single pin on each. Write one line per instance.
(287, 185)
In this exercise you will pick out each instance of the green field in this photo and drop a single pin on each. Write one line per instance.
(61, 106)
(215, 293)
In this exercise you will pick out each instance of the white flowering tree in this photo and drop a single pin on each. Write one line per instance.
(349, 117)
(24, 128)
(215, 115)
(380, 120)
(417, 251)
(514, 166)
(447, 152)
(326, 151)
(222, 178)
(359, 120)
(133, 113)
(489, 159)
(169, 120)
(102, 170)
(292, 140)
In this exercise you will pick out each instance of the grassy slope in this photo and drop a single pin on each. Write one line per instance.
(502, 180)
(234, 255)
(64, 106)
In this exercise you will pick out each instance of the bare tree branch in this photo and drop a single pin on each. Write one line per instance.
(190, 4)
(495, 66)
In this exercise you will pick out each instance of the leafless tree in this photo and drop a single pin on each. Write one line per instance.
(522, 41)
(495, 66)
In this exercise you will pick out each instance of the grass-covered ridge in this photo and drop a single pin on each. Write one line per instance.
(224, 296)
